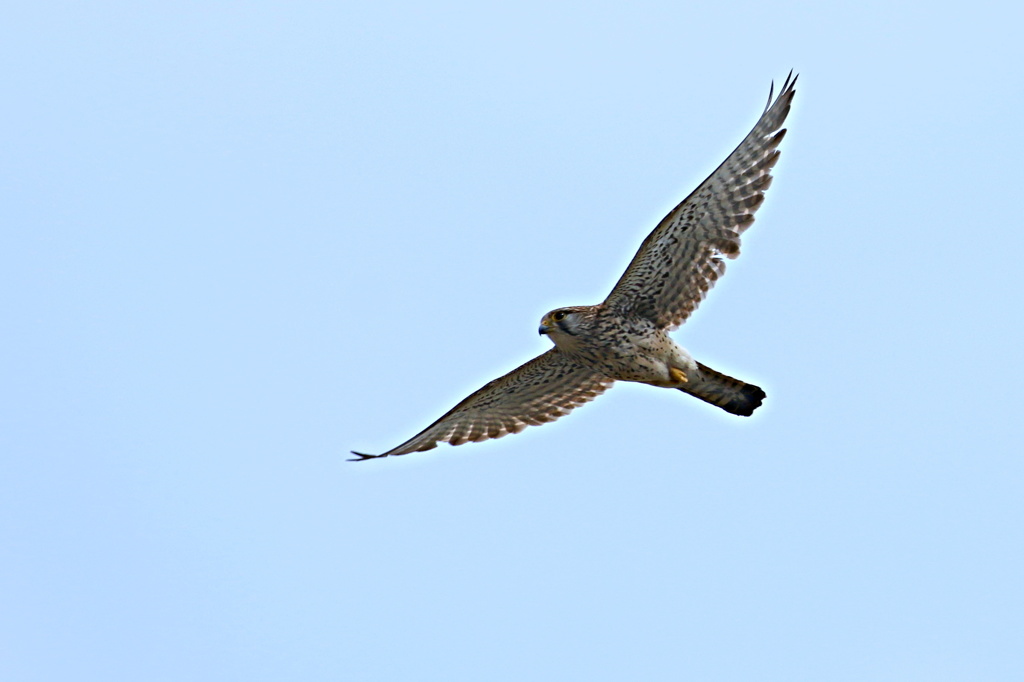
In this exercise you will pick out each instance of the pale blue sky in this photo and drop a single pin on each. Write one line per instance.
(241, 239)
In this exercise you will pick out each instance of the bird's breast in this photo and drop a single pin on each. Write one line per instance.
(626, 350)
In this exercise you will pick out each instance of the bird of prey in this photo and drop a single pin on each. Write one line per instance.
(625, 338)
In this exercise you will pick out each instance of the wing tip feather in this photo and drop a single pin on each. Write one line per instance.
(362, 457)
(786, 91)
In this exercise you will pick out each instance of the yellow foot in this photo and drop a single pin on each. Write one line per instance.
(677, 375)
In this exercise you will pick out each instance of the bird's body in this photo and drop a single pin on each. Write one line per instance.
(621, 348)
(625, 338)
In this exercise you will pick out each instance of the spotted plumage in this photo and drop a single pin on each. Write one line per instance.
(625, 338)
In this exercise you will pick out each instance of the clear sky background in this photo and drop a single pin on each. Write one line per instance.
(241, 239)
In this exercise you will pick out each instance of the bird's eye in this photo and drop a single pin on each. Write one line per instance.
(559, 316)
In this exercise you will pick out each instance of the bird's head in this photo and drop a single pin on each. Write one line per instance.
(563, 324)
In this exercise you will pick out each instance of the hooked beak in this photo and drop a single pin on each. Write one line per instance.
(544, 329)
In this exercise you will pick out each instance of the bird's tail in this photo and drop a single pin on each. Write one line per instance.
(732, 395)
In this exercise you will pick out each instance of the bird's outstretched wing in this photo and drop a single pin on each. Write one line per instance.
(542, 390)
(680, 260)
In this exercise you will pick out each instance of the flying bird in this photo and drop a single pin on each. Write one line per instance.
(625, 338)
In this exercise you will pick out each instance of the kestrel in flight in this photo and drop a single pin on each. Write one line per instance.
(625, 338)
